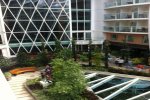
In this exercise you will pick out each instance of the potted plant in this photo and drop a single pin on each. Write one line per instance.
(7, 76)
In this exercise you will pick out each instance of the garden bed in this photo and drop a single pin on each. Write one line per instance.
(39, 93)
(122, 70)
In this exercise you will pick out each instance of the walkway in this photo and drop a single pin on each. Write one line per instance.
(16, 83)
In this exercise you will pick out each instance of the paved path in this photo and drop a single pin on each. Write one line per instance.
(16, 83)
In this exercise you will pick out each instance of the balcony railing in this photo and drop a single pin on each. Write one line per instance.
(142, 29)
(123, 2)
(126, 15)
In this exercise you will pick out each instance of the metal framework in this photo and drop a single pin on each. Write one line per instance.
(28, 22)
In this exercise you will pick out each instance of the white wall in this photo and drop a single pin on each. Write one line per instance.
(97, 17)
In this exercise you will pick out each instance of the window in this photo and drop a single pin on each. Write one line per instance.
(130, 38)
(145, 39)
(88, 36)
(114, 37)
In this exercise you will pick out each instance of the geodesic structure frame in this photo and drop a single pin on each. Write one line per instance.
(29, 23)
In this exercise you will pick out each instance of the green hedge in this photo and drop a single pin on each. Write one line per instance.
(127, 71)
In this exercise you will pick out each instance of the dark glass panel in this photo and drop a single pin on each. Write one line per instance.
(56, 12)
(38, 24)
(64, 24)
(45, 35)
(11, 52)
(18, 28)
(57, 27)
(32, 35)
(75, 36)
(23, 16)
(49, 2)
(39, 38)
(80, 15)
(34, 49)
(80, 36)
(45, 27)
(88, 36)
(43, 12)
(8, 15)
(87, 26)
(28, 3)
(13, 39)
(87, 4)
(36, 16)
(29, 12)
(74, 26)
(80, 4)
(73, 4)
(52, 38)
(14, 3)
(42, 4)
(31, 27)
(63, 16)
(24, 24)
(15, 49)
(58, 35)
(15, 11)
(51, 24)
(21, 1)
(80, 26)
(7, 29)
(26, 39)
(50, 16)
(88, 15)
(65, 38)
(74, 15)
(10, 24)
(19, 36)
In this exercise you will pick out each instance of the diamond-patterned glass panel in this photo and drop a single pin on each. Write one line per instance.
(28, 21)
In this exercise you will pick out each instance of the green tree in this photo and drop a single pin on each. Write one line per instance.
(68, 81)
(65, 54)
(106, 51)
(74, 50)
(22, 59)
(42, 59)
(58, 46)
(5, 62)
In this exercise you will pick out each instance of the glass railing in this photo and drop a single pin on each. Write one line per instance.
(126, 15)
(142, 29)
(123, 2)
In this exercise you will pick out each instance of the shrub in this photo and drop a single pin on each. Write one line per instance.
(69, 81)
(7, 75)
(137, 60)
(5, 61)
(22, 59)
(42, 59)
(65, 54)
(83, 57)
(34, 83)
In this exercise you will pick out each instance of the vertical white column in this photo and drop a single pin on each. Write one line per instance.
(70, 19)
(5, 51)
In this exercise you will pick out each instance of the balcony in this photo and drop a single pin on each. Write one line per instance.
(132, 29)
(116, 3)
(126, 15)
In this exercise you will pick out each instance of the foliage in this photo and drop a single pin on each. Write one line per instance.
(5, 61)
(69, 81)
(83, 57)
(64, 54)
(7, 74)
(97, 59)
(127, 71)
(58, 46)
(106, 47)
(137, 60)
(42, 59)
(22, 59)
(32, 81)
